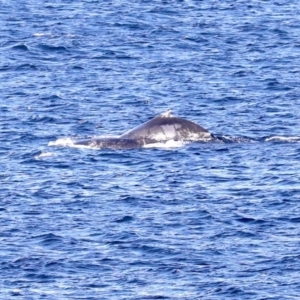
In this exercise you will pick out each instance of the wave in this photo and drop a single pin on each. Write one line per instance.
(284, 139)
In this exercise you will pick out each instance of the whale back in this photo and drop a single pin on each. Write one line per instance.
(112, 143)
(166, 127)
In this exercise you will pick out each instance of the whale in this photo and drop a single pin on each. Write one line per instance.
(160, 129)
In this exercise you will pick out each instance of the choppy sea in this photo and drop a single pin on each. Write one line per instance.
(195, 221)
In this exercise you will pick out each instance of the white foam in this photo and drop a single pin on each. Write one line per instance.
(167, 144)
(40, 34)
(62, 142)
(51, 35)
(278, 138)
(43, 154)
(68, 142)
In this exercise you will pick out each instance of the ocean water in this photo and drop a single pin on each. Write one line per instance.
(192, 221)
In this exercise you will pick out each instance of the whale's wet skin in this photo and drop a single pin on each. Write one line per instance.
(164, 130)
(161, 129)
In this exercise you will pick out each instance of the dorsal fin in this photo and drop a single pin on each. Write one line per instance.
(167, 114)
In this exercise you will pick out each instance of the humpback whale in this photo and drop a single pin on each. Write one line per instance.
(162, 128)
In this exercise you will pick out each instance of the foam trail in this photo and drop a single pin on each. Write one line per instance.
(278, 138)
(167, 144)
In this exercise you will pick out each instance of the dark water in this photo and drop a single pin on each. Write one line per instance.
(201, 221)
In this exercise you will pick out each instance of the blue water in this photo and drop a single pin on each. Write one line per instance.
(200, 221)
